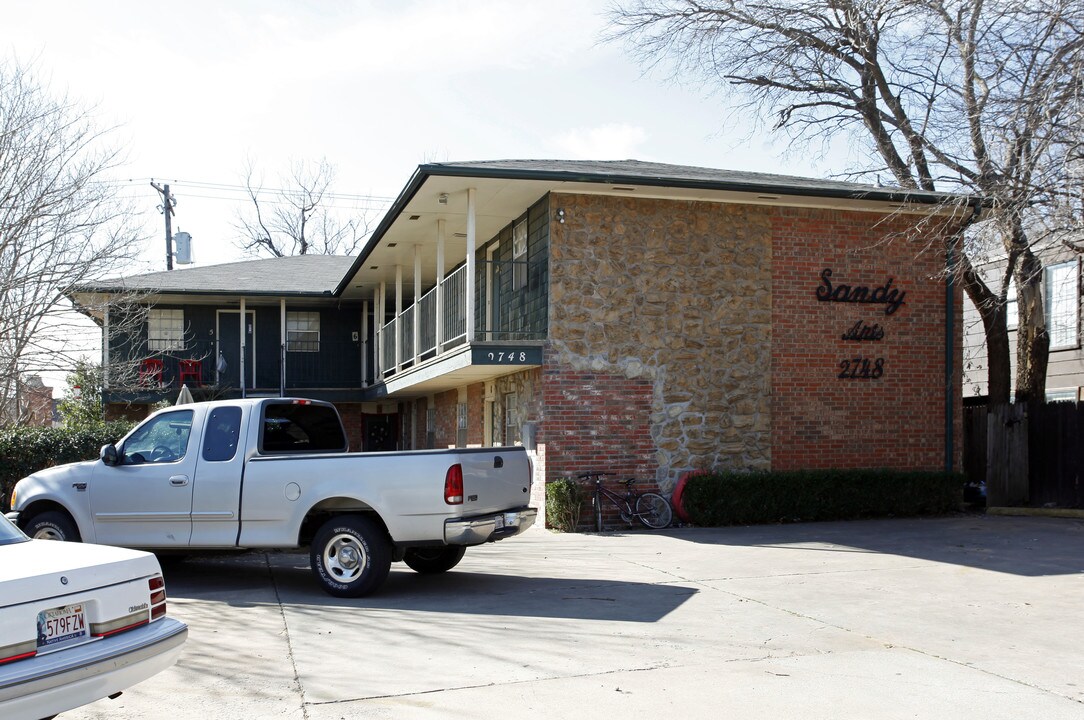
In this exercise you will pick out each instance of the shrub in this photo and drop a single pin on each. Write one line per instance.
(742, 498)
(24, 450)
(564, 501)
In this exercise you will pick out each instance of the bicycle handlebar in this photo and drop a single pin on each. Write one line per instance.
(590, 475)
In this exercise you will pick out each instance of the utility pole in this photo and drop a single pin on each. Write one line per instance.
(166, 208)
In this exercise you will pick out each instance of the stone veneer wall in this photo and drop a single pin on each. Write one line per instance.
(665, 308)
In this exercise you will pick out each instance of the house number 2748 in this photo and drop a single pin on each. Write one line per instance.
(508, 357)
(861, 369)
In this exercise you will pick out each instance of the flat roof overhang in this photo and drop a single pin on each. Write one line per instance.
(439, 192)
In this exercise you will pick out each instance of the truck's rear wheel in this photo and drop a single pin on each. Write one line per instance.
(52, 525)
(350, 556)
(432, 560)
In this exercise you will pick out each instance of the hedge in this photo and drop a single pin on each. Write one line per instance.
(746, 498)
(24, 450)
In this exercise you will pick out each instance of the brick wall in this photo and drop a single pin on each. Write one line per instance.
(475, 414)
(446, 428)
(351, 416)
(132, 413)
(820, 420)
(596, 421)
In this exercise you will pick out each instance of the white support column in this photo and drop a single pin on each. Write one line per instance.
(417, 302)
(282, 347)
(398, 316)
(364, 343)
(440, 285)
(378, 328)
(472, 242)
(241, 362)
(105, 346)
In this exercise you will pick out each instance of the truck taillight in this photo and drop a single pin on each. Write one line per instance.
(157, 587)
(453, 485)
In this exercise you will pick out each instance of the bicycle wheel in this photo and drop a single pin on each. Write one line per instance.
(653, 511)
(598, 513)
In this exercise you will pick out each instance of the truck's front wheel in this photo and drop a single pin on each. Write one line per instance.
(431, 560)
(350, 555)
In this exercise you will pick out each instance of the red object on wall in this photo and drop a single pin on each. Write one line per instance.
(677, 500)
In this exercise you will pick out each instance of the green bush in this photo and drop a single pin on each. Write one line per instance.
(745, 498)
(24, 450)
(564, 500)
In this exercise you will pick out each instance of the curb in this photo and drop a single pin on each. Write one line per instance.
(1037, 512)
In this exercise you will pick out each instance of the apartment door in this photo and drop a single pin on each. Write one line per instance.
(228, 354)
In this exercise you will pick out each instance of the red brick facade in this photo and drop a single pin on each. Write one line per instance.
(840, 403)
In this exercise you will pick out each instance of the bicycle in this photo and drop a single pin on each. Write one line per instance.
(651, 509)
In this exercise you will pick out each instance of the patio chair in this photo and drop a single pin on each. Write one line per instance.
(190, 372)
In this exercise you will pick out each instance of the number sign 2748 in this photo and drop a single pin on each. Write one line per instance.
(861, 369)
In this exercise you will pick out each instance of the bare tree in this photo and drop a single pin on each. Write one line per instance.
(942, 94)
(61, 225)
(296, 219)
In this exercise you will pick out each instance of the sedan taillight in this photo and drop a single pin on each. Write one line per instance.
(158, 596)
(18, 651)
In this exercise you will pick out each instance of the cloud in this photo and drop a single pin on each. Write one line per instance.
(612, 141)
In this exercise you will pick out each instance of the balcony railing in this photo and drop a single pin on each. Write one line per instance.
(501, 317)
(196, 363)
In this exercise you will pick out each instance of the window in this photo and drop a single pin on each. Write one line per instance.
(1063, 305)
(461, 424)
(1012, 312)
(297, 427)
(1062, 395)
(519, 255)
(161, 439)
(303, 331)
(222, 433)
(511, 424)
(165, 329)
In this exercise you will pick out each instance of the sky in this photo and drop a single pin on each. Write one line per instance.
(376, 87)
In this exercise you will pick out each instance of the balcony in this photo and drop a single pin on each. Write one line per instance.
(509, 323)
(212, 370)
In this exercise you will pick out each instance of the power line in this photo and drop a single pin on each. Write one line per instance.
(227, 187)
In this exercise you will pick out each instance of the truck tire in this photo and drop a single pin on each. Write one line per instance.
(52, 525)
(350, 556)
(433, 560)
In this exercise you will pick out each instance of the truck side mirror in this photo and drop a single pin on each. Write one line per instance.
(109, 455)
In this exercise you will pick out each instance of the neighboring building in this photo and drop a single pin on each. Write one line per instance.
(1061, 292)
(32, 405)
(641, 318)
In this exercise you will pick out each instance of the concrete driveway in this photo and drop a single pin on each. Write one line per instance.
(962, 617)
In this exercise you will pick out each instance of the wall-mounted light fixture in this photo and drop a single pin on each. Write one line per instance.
(561, 216)
(442, 198)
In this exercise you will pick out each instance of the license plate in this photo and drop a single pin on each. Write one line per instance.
(498, 522)
(61, 624)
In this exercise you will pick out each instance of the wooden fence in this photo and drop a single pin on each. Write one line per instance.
(1028, 455)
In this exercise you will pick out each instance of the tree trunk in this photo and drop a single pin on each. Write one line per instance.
(1032, 338)
(991, 311)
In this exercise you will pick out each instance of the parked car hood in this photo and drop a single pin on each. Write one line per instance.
(39, 569)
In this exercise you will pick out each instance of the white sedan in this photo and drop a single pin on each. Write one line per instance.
(78, 623)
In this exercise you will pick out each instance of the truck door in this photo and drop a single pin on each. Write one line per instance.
(215, 512)
(146, 499)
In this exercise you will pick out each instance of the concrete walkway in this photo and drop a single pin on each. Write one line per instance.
(964, 617)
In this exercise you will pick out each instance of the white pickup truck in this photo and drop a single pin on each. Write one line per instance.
(275, 473)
